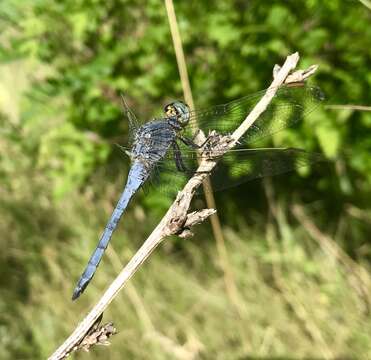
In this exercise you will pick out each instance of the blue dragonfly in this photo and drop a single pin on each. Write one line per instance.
(167, 145)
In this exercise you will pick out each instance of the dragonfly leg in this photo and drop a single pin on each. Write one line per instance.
(189, 142)
(178, 158)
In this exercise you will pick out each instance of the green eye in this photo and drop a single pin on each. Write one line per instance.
(182, 111)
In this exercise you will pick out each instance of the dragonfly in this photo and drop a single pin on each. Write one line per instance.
(166, 145)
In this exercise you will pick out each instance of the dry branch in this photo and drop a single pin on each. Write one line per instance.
(177, 220)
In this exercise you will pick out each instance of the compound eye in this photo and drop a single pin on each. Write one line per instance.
(170, 111)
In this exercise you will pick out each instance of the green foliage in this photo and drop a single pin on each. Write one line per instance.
(98, 50)
(63, 67)
(66, 155)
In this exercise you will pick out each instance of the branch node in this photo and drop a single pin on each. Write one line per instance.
(176, 223)
(296, 76)
(97, 335)
(194, 218)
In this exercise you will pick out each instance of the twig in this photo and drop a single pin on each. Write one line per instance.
(366, 3)
(177, 221)
(348, 107)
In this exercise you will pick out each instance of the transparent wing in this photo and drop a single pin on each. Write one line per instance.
(241, 166)
(236, 167)
(288, 106)
(132, 119)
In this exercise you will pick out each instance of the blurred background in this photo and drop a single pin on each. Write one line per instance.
(294, 279)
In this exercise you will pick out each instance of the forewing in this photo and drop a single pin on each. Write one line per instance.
(288, 106)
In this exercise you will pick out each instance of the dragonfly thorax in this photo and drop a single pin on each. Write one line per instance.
(178, 111)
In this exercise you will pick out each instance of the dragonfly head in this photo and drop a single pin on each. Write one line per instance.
(179, 110)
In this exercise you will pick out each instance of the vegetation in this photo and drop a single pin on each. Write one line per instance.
(298, 246)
